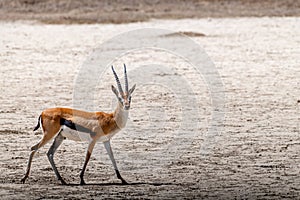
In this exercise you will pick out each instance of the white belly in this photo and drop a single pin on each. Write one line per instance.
(82, 136)
(75, 135)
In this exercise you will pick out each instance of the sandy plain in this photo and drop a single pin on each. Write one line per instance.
(254, 156)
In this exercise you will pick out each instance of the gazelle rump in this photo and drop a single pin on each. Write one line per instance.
(77, 125)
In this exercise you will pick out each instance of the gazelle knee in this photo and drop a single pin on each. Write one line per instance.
(35, 147)
(50, 154)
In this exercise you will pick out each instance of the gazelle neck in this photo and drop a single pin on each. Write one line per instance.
(121, 116)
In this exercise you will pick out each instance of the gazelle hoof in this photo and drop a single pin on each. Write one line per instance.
(23, 180)
(63, 182)
(82, 182)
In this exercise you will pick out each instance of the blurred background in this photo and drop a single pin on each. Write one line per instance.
(121, 11)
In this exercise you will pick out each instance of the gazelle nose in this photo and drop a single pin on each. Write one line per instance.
(126, 106)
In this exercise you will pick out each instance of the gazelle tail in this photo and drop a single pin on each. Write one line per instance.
(38, 124)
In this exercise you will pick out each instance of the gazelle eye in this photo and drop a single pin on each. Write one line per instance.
(129, 99)
(120, 99)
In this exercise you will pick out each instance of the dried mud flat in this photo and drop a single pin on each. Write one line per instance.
(256, 155)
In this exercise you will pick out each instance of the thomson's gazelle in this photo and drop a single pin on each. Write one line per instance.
(62, 123)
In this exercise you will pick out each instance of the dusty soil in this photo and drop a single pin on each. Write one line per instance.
(120, 11)
(255, 156)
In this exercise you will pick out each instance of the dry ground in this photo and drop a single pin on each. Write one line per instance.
(256, 156)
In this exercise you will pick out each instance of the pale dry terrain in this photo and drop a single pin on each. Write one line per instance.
(255, 156)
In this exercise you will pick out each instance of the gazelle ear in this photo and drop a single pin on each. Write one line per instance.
(132, 89)
(114, 90)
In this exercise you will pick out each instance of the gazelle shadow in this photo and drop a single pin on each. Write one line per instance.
(121, 184)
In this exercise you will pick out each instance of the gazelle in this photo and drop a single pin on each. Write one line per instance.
(77, 125)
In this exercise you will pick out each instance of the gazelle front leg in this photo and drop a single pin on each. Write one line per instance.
(57, 142)
(111, 156)
(87, 158)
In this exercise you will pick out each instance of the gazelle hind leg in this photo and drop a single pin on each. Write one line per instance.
(34, 149)
(49, 133)
(56, 143)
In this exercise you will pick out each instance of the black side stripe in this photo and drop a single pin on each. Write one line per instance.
(76, 127)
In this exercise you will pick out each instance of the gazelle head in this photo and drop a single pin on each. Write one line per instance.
(124, 98)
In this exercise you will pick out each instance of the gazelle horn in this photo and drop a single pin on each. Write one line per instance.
(126, 80)
(117, 80)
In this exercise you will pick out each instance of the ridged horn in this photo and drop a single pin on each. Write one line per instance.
(126, 80)
(117, 80)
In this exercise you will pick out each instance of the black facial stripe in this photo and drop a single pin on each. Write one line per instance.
(76, 127)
